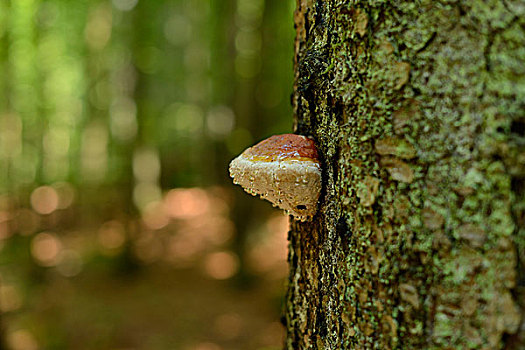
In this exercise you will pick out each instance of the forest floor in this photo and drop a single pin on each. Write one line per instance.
(155, 308)
(90, 279)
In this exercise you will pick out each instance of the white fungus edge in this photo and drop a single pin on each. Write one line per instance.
(287, 184)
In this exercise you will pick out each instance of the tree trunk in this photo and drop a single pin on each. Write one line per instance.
(417, 109)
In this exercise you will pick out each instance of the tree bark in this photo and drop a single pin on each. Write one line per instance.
(417, 109)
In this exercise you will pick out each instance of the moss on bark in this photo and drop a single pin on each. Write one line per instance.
(417, 111)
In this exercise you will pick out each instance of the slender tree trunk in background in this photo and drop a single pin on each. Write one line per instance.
(417, 110)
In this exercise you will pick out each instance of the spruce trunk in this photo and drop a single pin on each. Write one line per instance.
(417, 109)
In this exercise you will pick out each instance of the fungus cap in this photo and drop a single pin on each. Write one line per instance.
(285, 170)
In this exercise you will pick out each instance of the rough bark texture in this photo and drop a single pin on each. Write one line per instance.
(417, 109)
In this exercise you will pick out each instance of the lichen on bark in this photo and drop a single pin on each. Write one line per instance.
(417, 111)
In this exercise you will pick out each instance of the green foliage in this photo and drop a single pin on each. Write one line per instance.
(86, 85)
(105, 106)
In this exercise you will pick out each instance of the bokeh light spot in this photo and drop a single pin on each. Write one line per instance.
(186, 203)
(5, 230)
(66, 194)
(44, 200)
(185, 118)
(148, 248)
(177, 30)
(220, 122)
(10, 299)
(274, 331)
(148, 59)
(98, 28)
(21, 340)
(27, 221)
(221, 265)
(45, 249)
(248, 41)
(269, 255)
(125, 5)
(228, 326)
(154, 216)
(247, 66)
(10, 135)
(181, 250)
(206, 346)
(196, 57)
(56, 141)
(70, 263)
(94, 153)
(250, 10)
(111, 237)
(145, 193)
(123, 119)
(146, 165)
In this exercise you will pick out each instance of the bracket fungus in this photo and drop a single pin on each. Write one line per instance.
(285, 170)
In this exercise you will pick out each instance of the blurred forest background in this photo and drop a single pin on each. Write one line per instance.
(119, 225)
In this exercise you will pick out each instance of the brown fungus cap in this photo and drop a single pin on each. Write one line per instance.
(285, 170)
